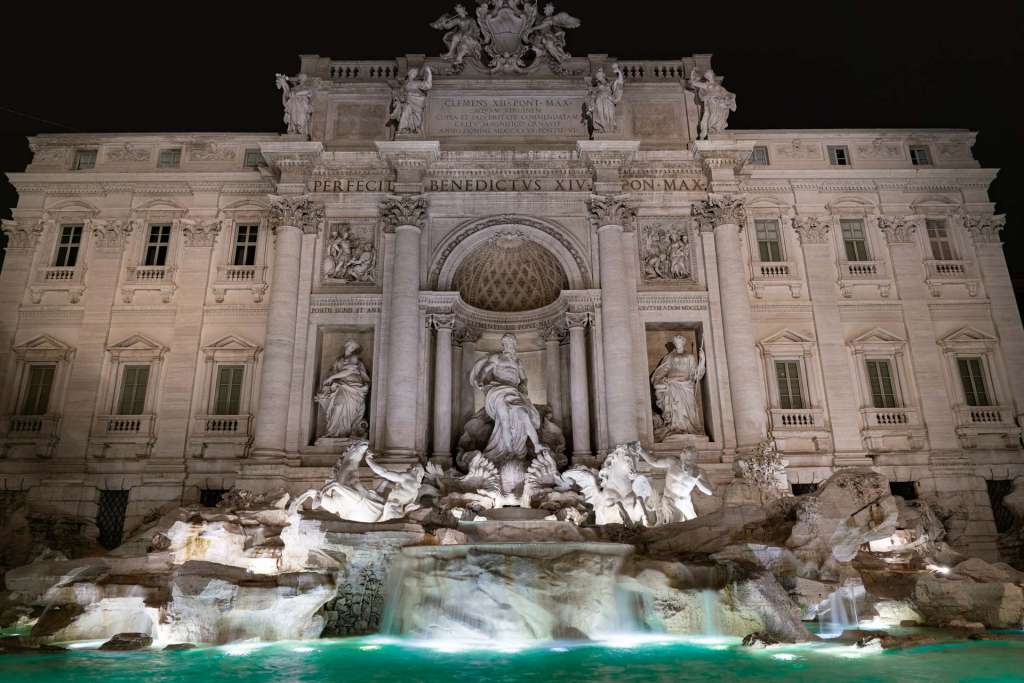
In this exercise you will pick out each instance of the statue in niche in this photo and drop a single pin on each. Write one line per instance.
(349, 259)
(602, 96)
(342, 396)
(406, 115)
(547, 36)
(297, 99)
(682, 476)
(715, 103)
(617, 493)
(676, 382)
(463, 38)
(665, 253)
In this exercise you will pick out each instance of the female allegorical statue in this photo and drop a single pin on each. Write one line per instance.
(342, 396)
(676, 382)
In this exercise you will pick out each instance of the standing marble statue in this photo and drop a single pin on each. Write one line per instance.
(602, 96)
(715, 103)
(297, 99)
(681, 476)
(342, 396)
(676, 382)
(407, 109)
(463, 38)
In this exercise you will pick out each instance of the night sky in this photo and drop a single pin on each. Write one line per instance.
(180, 67)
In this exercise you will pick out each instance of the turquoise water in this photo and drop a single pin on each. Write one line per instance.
(622, 661)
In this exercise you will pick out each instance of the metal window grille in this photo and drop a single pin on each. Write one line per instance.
(253, 158)
(68, 245)
(760, 156)
(169, 158)
(85, 159)
(110, 517)
(920, 155)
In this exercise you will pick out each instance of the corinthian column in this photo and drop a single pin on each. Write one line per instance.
(725, 216)
(553, 369)
(579, 391)
(444, 325)
(610, 217)
(290, 217)
(404, 217)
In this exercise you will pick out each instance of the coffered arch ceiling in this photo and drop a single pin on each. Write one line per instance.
(510, 273)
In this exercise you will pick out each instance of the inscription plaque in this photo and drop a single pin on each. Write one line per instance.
(505, 116)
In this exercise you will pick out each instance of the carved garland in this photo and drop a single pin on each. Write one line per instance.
(201, 233)
(897, 229)
(110, 234)
(985, 229)
(812, 229)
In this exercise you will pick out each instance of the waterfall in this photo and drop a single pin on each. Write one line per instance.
(839, 612)
(712, 606)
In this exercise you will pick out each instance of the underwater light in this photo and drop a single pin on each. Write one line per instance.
(303, 649)
(785, 657)
(242, 649)
(85, 645)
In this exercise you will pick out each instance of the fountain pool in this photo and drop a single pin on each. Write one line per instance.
(637, 659)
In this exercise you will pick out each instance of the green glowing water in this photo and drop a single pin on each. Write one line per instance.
(372, 659)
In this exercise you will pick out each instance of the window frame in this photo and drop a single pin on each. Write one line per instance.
(80, 155)
(765, 155)
(159, 250)
(893, 379)
(120, 407)
(136, 350)
(983, 375)
(801, 395)
(779, 241)
(834, 152)
(73, 248)
(27, 391)
(948, 239)
(926, 149)
(864, 240)
(234, 399)
(250, 247)
(257, 153)
(162, 163)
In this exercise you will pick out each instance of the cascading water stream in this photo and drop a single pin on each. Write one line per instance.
(840, 612)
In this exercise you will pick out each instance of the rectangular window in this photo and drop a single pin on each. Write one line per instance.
(787, 375)
(803, 489)
(883, 389)
(85, 159)
(156, 245)
(855, 240)
(920, 156)
(228, 400)
(246, 237)
(134, 382)
(110, 512)
(37, 393)
(760, 155)
(769, 242)
(253, 158)
(839, 155)
(972, 375)
(907, 490)
(67, 246)
(169, 158)
(938, 237)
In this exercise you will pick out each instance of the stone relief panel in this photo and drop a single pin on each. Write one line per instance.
(798, 150)
(350, 254)
(665, 251)
(658, 120)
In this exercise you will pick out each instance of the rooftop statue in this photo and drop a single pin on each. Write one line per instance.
(463, 38)
(406, 115)
(715, 103)
(297, 99)
(602, 96)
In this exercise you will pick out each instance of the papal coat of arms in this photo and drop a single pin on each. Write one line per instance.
(506, 35)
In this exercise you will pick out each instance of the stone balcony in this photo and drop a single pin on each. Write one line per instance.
(125, 426)
(940, 274)
(220, 436)
(864, 273)
(987, 426)
(29, 435)
(892, 429)
(70, 279)
(148, 273)
(157, 279)
(802, 430)
(240, 278)
(771, 273)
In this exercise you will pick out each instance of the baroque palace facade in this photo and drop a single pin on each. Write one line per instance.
(172, 304)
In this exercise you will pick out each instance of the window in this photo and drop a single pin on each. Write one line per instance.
(134, 383)
(228, 399)
(760, 155)
(880, 381)
(85, 159)
(253, 158)
(156, 245)
(839, 155)
(855, 240)
(972, 377)
(920, 156)
(169, 158)
(787, 375)
(209, 498)
(769, 242)
(938, 238)
(803, 489)
(37, 392)
(907, 490)
(110, 517)
(998, 490)
(246, 237)
(67, 246)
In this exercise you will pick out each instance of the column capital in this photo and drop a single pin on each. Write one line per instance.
(578, 320)
(297, 211)
(443, 321)
(719, 210)
(23, 234)
(465, 334)
(984, 229)
(553, 333)
(898, 229)
(397, 211)
(110, 233)
(611, 210)
(201, 233)
(812, 229)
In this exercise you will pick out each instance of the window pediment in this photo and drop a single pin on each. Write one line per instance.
(43, 347)
(968, 339)
(785, 342)
(137, 347)
(232, 348)
(877, 338)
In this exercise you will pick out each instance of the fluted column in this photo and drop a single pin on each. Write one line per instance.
(290, 217)
(579, 389)
(610, 217)
(467, 399)
(553, 369)
(725, 216)
(443, 326)
(405, 217)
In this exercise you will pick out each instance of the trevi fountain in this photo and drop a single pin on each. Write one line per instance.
(634, 476)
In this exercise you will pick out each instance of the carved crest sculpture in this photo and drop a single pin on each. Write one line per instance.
(506, 36)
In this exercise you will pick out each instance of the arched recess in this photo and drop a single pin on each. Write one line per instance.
(466, 238)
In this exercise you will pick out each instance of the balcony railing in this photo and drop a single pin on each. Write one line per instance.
(889, 417)
(980, 416)
(948, 270)
(857, 270)
(364, 71)
(60, 274)
(774, 270)
(148, 273)
(240, 274)
(31, 425)
(803, 419)
(125, 425)
(223, 425)
(653, 71)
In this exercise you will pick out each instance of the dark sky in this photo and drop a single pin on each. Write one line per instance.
(181, 67)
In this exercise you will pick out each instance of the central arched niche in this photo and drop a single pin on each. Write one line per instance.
(510, 273)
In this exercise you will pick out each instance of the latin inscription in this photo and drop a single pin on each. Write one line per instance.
(346, 185)
(496, 116)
